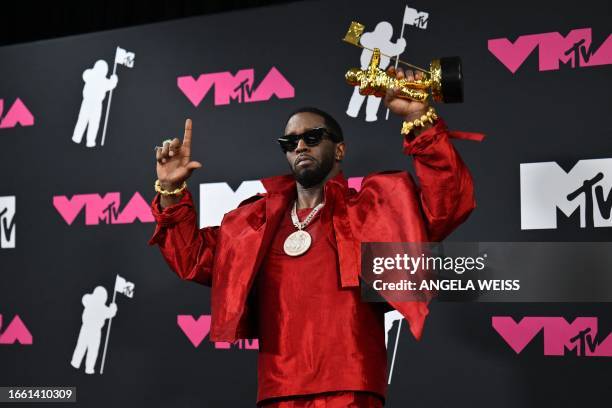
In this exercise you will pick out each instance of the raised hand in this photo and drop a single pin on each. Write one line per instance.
(174, 164)
(406, 108)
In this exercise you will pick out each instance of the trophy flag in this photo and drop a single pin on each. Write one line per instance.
(353, 35)
(121, 286)
(125, 58)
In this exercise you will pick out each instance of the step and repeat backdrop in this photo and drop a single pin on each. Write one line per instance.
(79, 119)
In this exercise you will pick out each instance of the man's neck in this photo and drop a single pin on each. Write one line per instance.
(312, 196)
(309, 197)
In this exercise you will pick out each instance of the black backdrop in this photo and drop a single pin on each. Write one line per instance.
(529, 116)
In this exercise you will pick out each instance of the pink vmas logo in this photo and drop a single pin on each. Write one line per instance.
(575, 49)
(104, 210)
(239, 87)
(579, 336)
(15, 332)
(16, 114)
(196, 330)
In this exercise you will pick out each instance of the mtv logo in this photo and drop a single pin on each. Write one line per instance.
(546, 187)
(415, 18)
(216, 199)
(7, 222)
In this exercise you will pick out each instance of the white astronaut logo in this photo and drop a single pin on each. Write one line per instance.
(97, 85)
(379, 38)
(95, 314)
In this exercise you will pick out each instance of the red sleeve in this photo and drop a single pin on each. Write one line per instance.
(188, 250)
(446, 190)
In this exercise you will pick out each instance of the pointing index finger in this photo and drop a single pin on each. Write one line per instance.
(187, 136)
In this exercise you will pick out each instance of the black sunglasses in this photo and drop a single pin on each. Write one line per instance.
(311, 137)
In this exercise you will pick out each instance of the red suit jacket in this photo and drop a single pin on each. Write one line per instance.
(390, 207)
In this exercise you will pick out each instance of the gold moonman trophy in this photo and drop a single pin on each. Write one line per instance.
(444, 79)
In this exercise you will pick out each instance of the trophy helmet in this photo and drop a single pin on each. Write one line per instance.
(353, 76)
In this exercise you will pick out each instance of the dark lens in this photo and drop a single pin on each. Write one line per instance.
(288, 144)
(313, 136)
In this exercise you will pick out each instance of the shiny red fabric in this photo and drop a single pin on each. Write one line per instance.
(389, 208)
(314, 335)
(342, 399)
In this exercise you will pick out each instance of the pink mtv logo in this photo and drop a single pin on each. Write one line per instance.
(16, 332)
(103, 209)
(18, 114)
(579, 336)
(237, 87)
(575, 49)
(197, 330)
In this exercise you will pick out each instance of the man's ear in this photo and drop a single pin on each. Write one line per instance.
(340, 151)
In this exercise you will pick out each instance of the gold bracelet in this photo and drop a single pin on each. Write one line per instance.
(430, 117)
(179, 190)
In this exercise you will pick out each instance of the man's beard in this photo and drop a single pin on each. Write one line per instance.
(311, 176)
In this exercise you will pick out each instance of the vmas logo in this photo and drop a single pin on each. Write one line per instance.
(548, 191)
(239, 88)
(196, 331)
(16, 114)
(7, 222)
(103, 210)
(576, 50)
(580, 336)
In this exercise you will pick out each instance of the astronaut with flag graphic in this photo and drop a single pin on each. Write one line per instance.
(95, 314)
(94, 92)
(127, 288)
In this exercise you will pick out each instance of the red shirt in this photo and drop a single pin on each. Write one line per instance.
(315, 336)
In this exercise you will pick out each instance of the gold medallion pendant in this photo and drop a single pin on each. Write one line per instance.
(299, 241)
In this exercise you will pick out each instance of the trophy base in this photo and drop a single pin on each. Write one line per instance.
(447, 80)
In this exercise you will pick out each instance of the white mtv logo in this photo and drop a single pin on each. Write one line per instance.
(216, 199)
(7, 222)
(587, 187)
(415, 18)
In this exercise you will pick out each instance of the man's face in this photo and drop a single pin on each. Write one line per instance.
(310, 165)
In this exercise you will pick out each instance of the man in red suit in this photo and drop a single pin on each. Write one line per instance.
(284, 266)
